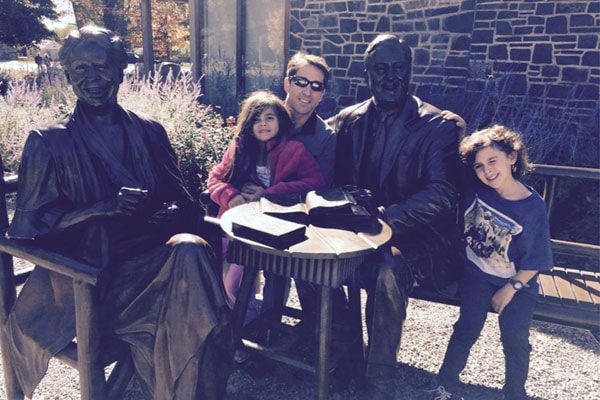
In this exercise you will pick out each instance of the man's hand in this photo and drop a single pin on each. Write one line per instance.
(450, 116)
(129, 201)
(252, 192)
(502, 297)
(236, 200)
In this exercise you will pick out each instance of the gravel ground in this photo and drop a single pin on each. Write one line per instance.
(565, 364)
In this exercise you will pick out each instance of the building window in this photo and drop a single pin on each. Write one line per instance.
(245, 46)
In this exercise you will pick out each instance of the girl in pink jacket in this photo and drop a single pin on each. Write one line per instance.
(260, 160)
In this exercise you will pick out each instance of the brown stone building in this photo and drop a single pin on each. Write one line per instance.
(542, 47)
(511, 53)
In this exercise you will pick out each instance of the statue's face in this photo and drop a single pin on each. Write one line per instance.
(94, 78)
(388, 73)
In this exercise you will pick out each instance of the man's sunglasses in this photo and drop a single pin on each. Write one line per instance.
(302, 82)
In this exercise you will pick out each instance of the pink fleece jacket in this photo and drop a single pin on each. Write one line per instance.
(293, 170)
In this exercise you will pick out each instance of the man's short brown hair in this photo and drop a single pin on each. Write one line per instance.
(302, 58)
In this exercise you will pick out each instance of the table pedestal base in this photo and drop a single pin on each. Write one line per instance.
(326, 269)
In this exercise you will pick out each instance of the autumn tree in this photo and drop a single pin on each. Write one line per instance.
(114, 17)
(21, 21)
(170, 26)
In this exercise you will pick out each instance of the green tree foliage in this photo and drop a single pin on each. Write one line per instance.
(21, 21)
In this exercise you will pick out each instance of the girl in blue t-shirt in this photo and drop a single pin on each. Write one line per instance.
(507, 242)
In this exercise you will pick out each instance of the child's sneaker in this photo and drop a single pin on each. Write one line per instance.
(440, 393)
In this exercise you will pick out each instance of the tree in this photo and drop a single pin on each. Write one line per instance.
(21, 21)
(170, 26)
(107, 13)
(114, 17)
(88, 12)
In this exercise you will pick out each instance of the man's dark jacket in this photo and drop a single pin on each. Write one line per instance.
(418, 183)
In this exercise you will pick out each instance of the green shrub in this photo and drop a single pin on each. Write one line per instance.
(198, 134)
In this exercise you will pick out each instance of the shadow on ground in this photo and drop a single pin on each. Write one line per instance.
(282, 382)
(581, 338)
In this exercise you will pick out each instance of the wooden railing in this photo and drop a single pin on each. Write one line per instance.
(552, 174)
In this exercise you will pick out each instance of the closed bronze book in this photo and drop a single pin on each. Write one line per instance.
(271, 231)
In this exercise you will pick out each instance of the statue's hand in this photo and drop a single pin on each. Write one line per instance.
(129, 201)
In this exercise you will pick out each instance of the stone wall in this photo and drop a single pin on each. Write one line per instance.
(537, 49)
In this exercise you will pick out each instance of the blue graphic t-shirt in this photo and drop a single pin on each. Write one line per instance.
(505, 236)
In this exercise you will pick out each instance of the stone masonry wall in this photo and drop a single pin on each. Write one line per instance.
(539, 48)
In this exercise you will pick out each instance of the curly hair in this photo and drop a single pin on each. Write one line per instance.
(500, 138)
(103, 37)
(246, 145)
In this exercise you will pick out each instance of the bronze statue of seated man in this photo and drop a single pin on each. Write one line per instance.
(404, 151)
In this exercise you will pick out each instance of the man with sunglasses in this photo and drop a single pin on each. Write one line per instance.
(304, 84)
(405, 152)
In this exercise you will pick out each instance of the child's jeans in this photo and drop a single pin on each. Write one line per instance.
(476, 297)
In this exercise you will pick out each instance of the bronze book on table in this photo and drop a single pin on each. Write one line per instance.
(333, 208)
(270, 231)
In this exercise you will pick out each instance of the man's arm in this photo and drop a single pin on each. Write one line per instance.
(126, 203)
(438, 195)
(308, 175)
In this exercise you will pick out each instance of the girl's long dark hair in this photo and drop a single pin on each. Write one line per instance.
(246, 145)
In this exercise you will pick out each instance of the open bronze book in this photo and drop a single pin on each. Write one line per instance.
(333, 208)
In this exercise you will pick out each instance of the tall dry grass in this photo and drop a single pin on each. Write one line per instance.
(198, 134)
